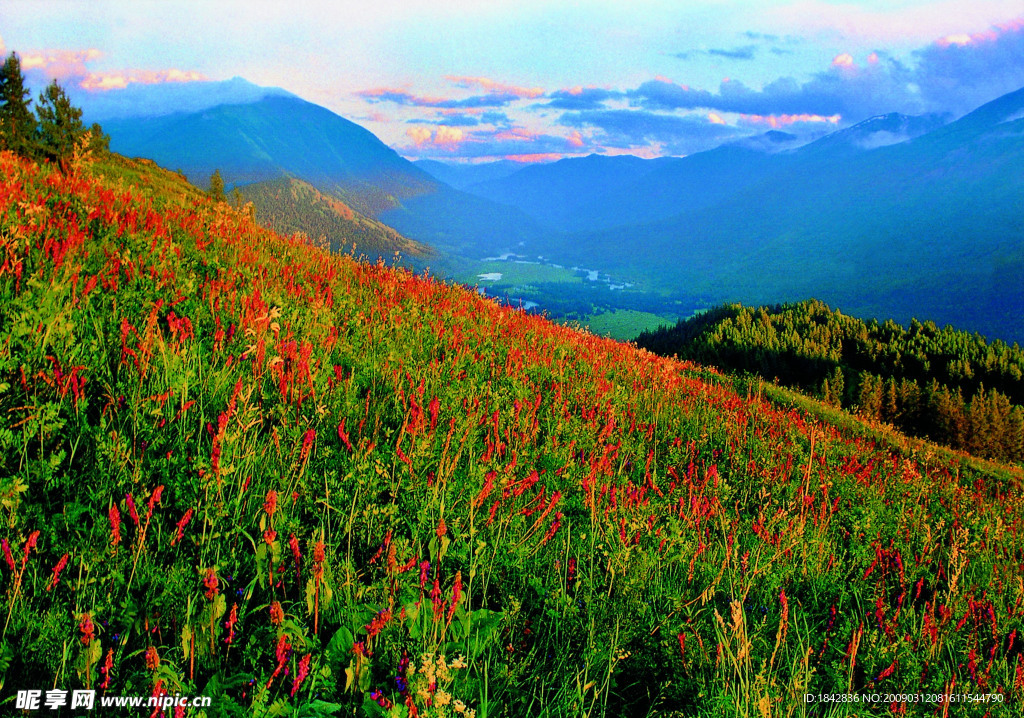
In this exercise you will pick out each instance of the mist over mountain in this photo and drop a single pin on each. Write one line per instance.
(461, 175)
(142, 100)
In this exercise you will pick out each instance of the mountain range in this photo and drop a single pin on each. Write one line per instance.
(894, 217)
(255, 137)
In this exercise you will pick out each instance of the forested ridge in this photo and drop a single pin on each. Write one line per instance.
(288, 205)
(946, 385)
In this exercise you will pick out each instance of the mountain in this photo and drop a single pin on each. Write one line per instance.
(273, 136)
(461, 175)
(244, 469)
(598, 192)
(288, 205)
(927, 227)
(874, 132)
(270, 135)
(553, 193)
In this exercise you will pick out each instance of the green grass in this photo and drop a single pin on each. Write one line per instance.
(624, 324)
(234, 465)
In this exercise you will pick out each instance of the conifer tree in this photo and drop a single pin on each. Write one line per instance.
(17, 125)
(60, 124)
(217, 187)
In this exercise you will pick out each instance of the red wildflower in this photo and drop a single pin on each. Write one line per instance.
(343, 435)
(282, 650)
(269, 536)
(131, 509)
(442, 528)
(318, 560)
(378, 623)
(152, 658)
(230, 624)
(456, 595)
(435, 598)
(276, 613)
(307, 441)
(211, 583)
(7, 554)
(182, 523)
(300, 673)
(108, 664)
(435, 405)
(153, 500)
(270, 504)
(487, 488)
(88, 630)
(55, 578)
(33, 538)
(293, 543)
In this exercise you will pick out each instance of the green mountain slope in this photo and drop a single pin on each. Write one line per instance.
(289, 205)
(237, 466)
(276, 136)
(271, 136)
(950, 386)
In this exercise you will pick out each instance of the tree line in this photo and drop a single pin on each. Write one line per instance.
(949, 386)
(51, 132)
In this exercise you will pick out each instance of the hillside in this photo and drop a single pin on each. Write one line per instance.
(950, 386)
(238, 466)
(289, 205)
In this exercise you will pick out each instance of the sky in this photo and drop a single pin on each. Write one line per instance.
(534, 80)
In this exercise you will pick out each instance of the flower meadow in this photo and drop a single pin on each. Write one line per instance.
(235, 465)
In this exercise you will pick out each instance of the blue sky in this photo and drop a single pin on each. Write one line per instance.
(537, 80)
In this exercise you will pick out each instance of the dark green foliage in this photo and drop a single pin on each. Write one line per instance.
(99, 142)
(17, 125)
(943, 384)
(60, 124)
(217, 187)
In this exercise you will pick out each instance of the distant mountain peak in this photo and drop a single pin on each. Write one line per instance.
(883, 130)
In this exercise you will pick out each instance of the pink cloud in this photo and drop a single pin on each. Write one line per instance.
(715, 118)
(400, 96)
(536, 157)
(60, 64)
(447, 137)
(419, 135)
(71, 65)
(843, 60)
(121, 80)
(517, 133)
(960, 39)
(776, 121)
(490, 85)
(450, 137)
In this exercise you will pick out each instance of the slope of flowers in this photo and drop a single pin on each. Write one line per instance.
(234, 465)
